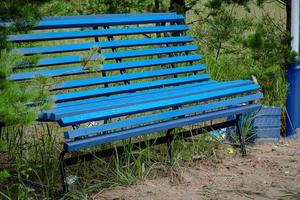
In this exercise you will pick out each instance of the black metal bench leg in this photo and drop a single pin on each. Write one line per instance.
(62, 172)
(169, 142)
(75, 126)
(242, 143)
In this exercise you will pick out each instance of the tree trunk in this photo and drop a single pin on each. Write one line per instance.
(288, 15)
(156, 6)
(178, 6)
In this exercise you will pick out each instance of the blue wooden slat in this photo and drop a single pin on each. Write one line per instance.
(126, 77)
(135, 94)
(116, 66)
(143, 94)
(74, 23)
(94, 33)
(105, 16)
(19, 76)
(127, 123)
(113, 104)
(148, 52)
(121, 65)
(57, 61)
(107, 138)
(93, 116)
(150, 62)
(93, 16)
(79, 70)
(128, 88)
(102, 45)
(45, 116)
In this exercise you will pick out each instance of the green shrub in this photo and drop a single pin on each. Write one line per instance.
(237, 46)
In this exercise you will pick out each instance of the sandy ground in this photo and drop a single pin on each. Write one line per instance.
(268, 172)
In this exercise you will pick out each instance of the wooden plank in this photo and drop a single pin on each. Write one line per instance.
(152, 118)
(107, 138)
(67, 71)
(150, 62)
(33, 37)
(152, 97)
(106, 16)
(127, 95)
(93, 16)
(131, 20)
(45, 116)
(72, 96)
(102, 45)
(117, 66)
(106, 114)
(109, 55)
(149, 52)
(125, 77)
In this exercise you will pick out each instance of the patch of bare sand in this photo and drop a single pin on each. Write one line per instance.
(268, 172)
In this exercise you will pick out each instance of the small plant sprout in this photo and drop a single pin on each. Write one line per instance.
(247, 130)
(92, 61)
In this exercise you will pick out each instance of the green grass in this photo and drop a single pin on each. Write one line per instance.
(34, 164)
(290, 195)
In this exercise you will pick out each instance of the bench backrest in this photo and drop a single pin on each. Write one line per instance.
(140, 51)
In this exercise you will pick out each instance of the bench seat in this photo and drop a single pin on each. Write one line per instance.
(147, 129)
(157, 100)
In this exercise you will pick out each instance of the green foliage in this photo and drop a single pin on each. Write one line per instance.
(3, 146)
(92, 61)
(76, 195)
(31, 158)
(22, 14)
(247, 130)
(269, 44)
(203, 147)
(24, 192)
(290, 195)
(223, 33)
(19, 9)
(4, 174)
(82, 7)
(246, 45)
(15, 98)
(216, 7)
(24, 62)
(20, 103)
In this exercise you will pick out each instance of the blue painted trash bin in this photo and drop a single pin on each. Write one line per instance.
(293, 99)
(265, 126)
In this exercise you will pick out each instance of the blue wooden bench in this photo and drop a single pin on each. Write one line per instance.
(151, 80)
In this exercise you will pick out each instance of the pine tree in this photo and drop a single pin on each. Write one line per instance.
(15, 99)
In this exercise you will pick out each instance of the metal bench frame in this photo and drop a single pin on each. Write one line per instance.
(167, 139)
